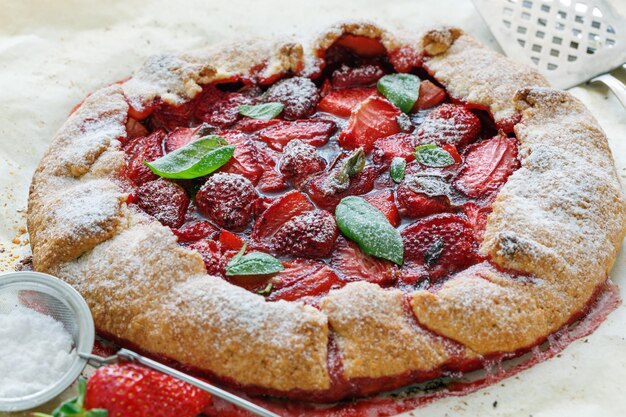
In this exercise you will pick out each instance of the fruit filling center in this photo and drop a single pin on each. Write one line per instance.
(369, 171)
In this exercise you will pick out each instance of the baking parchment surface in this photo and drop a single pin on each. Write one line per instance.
(53, 53)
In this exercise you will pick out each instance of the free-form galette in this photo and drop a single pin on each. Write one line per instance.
(376, 212)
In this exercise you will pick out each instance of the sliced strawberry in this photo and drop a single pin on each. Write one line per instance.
(299, 162)
(248, 125)
(362, 45)
(421, 194)
(299, 95)
(351, 264)
(302, 278)
(372, 119)
(278, 213)
(230, 241)
(134, 129)
(219, 108)
(228, 200)
(399, 145)
(164, 200)
(342, 102)
(271, 180)
(179, 138)
(362, 76)
(147, 148)
(477, 217)
(170, 117)
(245, 160)
(384, 201)
(449, 123)
(429, 96)
(488, 165)
(309, 235)
(211, 254)
(442, 243)
(405, 58)
(315, 132)
(195, 230)
(451, 149)
(322, 191)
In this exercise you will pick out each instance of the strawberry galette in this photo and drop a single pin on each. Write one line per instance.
(321, 225)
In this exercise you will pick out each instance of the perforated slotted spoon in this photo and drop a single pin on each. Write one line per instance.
(569, 41)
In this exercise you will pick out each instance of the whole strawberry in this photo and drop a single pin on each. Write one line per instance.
(128, 390)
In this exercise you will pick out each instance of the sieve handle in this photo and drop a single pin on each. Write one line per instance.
(220, 393)
(617, 87)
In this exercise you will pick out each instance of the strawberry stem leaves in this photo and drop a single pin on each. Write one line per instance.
(75, 407)
(402, 90)
(196, 159)
(361, 222)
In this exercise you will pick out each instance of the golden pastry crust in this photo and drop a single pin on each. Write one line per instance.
(145, 289)
(477, 75)
(376, 335)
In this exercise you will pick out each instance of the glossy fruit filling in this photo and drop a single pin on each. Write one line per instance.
(277, 216)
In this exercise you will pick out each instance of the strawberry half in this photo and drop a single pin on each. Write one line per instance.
(351, 264)
(211, 253)
(303, 278)
(228, 200)
(429, 96)
(342, 102)
(230, 241)
(362, 76)
(299, 162)
(147, 148)
(405, 58)
(130, 390)
(164, 200)
(245, 160)
(170, 117)
(477, 217)
(280, 211)
(372, 119)
(195, 230)
(449, 123)
(321, 188)
(384, 201)
(299, 95)
(315, 132)
(442, 244)
(423, 193)
(219, 108)
(308, 235)
(399, 145)
(488, 165)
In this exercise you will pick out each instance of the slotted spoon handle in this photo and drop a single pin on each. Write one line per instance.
(131, 356)
(617, 87)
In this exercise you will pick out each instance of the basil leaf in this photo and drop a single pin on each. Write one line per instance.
(352, 165)
(401, 89)
(265, 111)
(368, 226)
(432, 185)
(433, 156)
(255, 263)
(97, 412)
(397, 169)
(196, 159)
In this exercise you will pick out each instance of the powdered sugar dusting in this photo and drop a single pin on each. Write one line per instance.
(35, 352)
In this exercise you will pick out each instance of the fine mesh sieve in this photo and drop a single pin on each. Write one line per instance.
(52, 297)
(48, 295)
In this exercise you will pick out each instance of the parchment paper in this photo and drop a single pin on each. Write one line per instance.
(52, 53)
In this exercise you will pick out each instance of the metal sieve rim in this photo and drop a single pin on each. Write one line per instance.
(86, 335)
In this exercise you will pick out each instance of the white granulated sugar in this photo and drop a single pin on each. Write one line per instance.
(35, 352)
